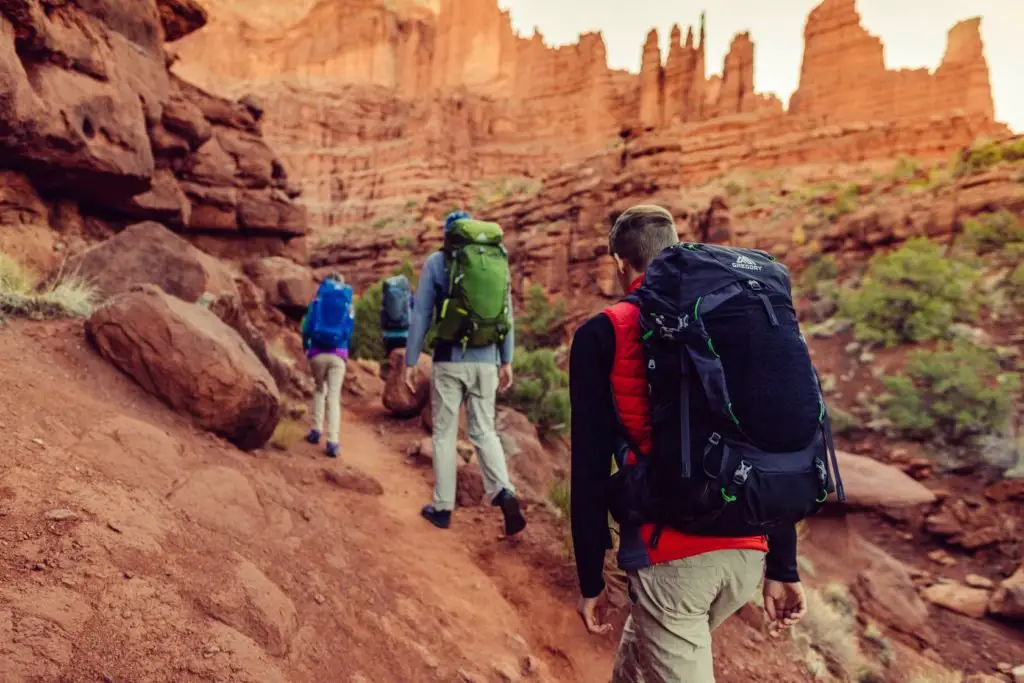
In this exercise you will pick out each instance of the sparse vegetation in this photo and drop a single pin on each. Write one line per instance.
(842, 422)
(950, 395)
(24, 294)
(559, 496)
(906, 169)
(845, 203)
(995, 231)
(983, 155)
(287, 434)
(542, 320)
(733, 188)
(541, 391)
(829, 640)
(913, 294)
(822, 269)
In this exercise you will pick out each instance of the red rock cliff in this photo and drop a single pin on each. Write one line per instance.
(844, 78)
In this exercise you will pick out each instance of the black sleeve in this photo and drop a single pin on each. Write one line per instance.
(593, 424)
(780, 565)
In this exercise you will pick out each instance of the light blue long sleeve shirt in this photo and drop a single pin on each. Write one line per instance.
(430, 293)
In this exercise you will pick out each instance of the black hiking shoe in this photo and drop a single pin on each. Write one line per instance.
(332, 450)
(313, 437)
(442, 519)
(514, 520)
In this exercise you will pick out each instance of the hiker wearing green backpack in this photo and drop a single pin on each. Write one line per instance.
(465, 289)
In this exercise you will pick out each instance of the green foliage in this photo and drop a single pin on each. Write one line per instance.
(1015, 287)
(906, 169)
(984, 155)
(822, 269)
(733, 188)
(913, 294)
(845, 203)
(950, 395)
(367, 343)
(843, 422)
(23, 293)
(560, 496)
(541, 322)
(994, 231)
(541, 391)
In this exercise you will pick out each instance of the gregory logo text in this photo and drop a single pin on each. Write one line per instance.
(745, 263)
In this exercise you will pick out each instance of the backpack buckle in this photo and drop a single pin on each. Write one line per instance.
(742, 472)
(715, 438)
(754, 284)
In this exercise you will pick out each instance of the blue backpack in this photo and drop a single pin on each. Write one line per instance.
(394, 309)
(740, 434)
(330, 316)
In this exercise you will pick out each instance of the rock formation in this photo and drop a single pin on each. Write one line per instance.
(188, 357)
(396, 100)
(90, 114)
(844, 79)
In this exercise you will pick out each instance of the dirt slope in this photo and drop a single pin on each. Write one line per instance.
(135, 548)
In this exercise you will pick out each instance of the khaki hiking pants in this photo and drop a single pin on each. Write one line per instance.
(328, 373)
(674, 607)
(477, 385)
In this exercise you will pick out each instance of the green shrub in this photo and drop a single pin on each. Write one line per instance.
(1015, 286)
(846, 202)
(540, 391)
(984, 155)
(843, 422)
(950, 395)
(906, 169)
(24, 294)
(994, 231)
(542, 321)
(560, 496)
(822, 269)
(733, 188)
(913, 294)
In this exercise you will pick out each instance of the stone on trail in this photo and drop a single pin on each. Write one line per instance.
(188, 357)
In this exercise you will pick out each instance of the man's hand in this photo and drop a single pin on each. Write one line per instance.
(409, 376)
(784, 603)
(505, 377)
(587, 608)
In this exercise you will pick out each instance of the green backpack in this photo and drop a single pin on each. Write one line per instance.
(476, 311)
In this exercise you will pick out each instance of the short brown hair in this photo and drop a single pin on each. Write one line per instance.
(641, 233)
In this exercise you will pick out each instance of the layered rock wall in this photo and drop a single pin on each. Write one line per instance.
(397, 99)
(89, 113)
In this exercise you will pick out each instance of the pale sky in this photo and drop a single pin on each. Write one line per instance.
(913, 31)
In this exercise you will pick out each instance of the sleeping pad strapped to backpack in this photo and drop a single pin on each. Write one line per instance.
(330, 316)
(476, 311)
(740, 434)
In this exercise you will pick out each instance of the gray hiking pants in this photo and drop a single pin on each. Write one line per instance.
(477, 385)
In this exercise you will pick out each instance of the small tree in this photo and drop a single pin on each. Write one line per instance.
(950, 395)
(913, 294)
(541, 322)
(541, 391)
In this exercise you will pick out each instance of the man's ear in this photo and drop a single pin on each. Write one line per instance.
(619, 265)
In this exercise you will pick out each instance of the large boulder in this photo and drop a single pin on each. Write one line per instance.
(1008, 600)
(971, 602)
(287, 285)
(531, 467)
(397, 398)
(188, 357)
(149, 253)
(872, 484)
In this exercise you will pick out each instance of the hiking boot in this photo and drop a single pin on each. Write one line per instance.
(332, 450)
(514, 520)
(313, 437)
(442, 519)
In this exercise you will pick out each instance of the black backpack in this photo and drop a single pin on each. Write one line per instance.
(740, 432)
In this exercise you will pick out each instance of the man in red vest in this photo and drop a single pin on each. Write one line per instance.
(681, 586)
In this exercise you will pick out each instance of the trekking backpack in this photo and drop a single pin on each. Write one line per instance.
(476, 311)
(330, 316)
(740, 435)
(394, 309)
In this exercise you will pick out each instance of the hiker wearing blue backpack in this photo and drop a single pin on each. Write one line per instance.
(466, 287)
(395, 309)
(326, 332)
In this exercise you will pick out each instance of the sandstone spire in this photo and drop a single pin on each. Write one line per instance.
(965, 70)
(651, 83)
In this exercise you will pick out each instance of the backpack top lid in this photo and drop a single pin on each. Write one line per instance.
(685, 273)
(466, 231)
(399, 282)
